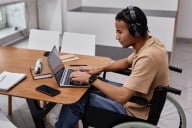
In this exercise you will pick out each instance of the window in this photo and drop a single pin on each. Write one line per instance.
(2, 18)
(13, 25)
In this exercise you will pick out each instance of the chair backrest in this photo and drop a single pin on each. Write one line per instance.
(78, 43)
(43, 39)
(156, 104)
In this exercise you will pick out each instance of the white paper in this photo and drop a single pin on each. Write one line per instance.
(10, 79)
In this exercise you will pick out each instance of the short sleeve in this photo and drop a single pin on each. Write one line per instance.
(130, 58)
(143, 73)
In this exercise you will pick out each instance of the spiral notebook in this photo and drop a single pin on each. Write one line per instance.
(10, 79)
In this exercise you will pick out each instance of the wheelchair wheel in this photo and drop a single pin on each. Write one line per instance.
(135, 125)
(172, 115)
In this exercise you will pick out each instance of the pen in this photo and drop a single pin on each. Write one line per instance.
(77, 65)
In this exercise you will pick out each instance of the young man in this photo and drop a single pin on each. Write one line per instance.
(149, 65)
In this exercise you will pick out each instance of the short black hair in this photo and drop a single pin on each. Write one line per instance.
(139, 19)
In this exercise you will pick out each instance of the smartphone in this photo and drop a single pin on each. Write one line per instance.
(48, 90)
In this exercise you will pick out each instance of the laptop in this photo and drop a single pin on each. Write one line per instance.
(61, 73)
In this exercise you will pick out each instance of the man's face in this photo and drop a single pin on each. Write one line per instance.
(123, 35)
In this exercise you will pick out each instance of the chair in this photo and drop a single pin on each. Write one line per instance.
(78, 43)
(43, 39)
(99, 118)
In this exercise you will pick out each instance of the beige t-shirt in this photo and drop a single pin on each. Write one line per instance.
(149, 69)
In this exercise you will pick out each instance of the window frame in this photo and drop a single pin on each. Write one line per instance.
(2, 18)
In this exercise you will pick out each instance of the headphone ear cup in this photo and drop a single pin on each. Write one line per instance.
(135, 29)
(132, 29)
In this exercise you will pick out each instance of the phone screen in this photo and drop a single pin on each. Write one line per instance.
(48, 90)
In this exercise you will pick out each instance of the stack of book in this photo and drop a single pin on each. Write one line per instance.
(41, 75)
(44, 73)
(68, 57)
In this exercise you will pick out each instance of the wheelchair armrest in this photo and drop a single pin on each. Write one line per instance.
(173, 90)
(122, 72)
(176, 69)
(139, 100)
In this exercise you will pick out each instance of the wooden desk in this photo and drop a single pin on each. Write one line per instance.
(20, 60)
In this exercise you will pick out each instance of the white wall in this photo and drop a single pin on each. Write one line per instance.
(50, 14)
(151, 4)
(31, 12)
(184, 22)
(102, 24)
(183, 27)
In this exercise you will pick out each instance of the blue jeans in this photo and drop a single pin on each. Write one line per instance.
(71, 114)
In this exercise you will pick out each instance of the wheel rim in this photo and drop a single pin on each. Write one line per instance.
(172, 115)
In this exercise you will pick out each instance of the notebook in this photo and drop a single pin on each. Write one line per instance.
(10, 79)
(61, 73)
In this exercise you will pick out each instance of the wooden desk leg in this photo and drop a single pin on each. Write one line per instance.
(41, 103)
(39, 113)
(10, 105)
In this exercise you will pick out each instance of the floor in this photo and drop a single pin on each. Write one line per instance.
(181, 58)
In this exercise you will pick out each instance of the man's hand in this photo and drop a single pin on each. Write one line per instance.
(90, 69)
(82, 77)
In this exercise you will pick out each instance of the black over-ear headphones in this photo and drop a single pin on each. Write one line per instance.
(135, 28)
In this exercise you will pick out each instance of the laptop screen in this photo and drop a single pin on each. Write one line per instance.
(55, 64)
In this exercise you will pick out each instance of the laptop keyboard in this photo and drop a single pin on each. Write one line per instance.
(65, 80)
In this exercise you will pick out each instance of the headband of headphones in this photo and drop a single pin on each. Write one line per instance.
(131, 11)
(135, 28)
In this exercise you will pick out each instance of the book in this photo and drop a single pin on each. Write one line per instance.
(41, 75)
(68, 57)
(10, 79)
(44, 71)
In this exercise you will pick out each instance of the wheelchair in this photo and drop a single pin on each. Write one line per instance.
(161, 102)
